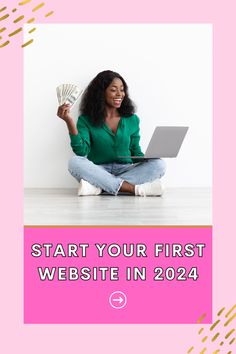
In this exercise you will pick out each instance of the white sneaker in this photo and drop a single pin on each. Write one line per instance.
(85, 188)
(149, 189)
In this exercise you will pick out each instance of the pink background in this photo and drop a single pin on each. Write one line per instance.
(148, 301)
(164, 339)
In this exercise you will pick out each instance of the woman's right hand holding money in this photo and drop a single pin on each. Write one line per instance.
(63, 112)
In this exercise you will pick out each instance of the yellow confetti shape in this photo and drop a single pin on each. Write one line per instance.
(24, 2)
(4, 44)
(231, 310)
(200, 331)
(216, 351)
(214, 325)
(204, 339)
(38, 7)
(221, 343)
(230, 320)
(15, 32)
(203, 350)
(14, 10)
(231, 342)
(220, 312)
(229, 333)
(27, 43)
(3, 8)
(215, 336)
(31, 20)
(19, 19)
(2, 29)
(32, 30)
(190, 349)
(4, 17)
(201, 318)
(49, 13)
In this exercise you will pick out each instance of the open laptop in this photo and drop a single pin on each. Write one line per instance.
(165, 142)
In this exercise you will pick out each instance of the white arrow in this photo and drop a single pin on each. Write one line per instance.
(120, 300)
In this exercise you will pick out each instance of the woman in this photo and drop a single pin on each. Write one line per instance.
(107, 129)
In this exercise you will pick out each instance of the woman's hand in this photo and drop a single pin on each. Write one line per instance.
(63, 112)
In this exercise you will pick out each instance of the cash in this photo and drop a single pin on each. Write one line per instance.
(68, 93)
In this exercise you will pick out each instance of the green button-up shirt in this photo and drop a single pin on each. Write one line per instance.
(102, 146)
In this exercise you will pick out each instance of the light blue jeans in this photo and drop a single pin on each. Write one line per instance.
(110, 177)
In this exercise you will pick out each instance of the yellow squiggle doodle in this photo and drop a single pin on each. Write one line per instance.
(231, 342)
(49, 13)
(14, 10)
(216, 351)
(215, 336)
(230, 320)
(27, 43)
(38, 7)
(32, 30)
(190, 349)
(19, 19)
(229, 333)
(4, 44)
(204, 339)
(203, 350)
(220, 312)
(231, 310)
(4, 17)
(31, 20)
(3, 8)
(200, 331)
(2, 29)
(15, 32)
(214, 325)
(24, 2)
(201, 318)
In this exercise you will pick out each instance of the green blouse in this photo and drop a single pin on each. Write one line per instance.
(102, 146)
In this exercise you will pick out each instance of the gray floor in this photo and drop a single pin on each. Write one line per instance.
(178, 206)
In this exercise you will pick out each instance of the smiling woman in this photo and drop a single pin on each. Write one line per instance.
(107, 129)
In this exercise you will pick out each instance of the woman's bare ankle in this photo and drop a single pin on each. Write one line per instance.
(127, 187)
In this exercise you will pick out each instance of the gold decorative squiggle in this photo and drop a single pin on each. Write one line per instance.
(38, 7)
(201, 318)
(220, 312)
(230, 320)
(27, 43)
(214, 325)
(14, 10)
(2, 29)
(15, 32)
(4, 44)
(203, 350)
(31, 20)
(19, 19)
(200, 331)
(49, 13)
(24, 2)
(32, 30)
(215, 336)
(229, 333)
(204, 339)
(190, 349)
(4, 17)
(3, 8)
(232, 340)
(231, 310)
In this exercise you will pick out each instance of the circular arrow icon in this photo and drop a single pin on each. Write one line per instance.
(118, 300)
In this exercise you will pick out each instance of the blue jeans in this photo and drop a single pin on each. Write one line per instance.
(110, 177)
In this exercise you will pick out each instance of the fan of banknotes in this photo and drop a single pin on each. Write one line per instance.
(68, 93)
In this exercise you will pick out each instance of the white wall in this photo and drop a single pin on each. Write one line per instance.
(168, 68)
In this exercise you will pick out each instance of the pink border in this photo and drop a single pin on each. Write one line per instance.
(116, 338)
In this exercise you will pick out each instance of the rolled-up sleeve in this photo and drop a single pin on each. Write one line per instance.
(80, 143)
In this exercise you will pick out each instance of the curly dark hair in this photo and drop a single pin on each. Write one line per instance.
(93, 102)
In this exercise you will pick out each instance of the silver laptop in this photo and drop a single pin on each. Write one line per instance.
(165, 142)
